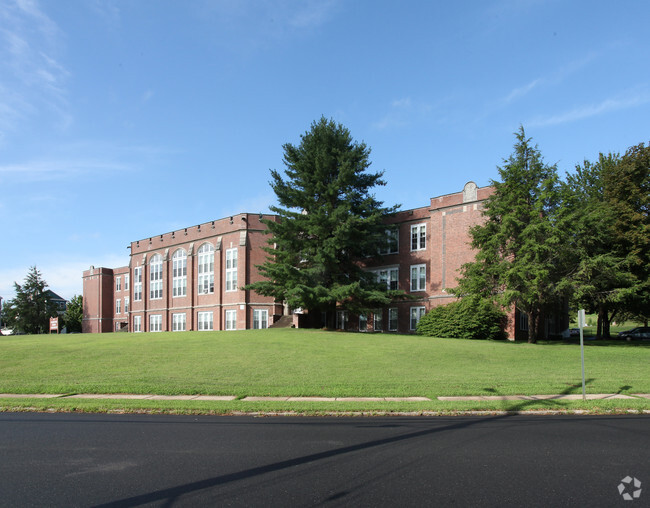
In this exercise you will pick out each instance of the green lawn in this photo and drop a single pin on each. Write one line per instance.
(312, 362)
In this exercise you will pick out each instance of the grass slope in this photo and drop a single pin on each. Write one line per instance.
(312, 362)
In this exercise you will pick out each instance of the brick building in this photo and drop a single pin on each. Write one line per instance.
(191, 279)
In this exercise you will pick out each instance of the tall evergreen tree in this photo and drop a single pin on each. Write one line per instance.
(329, 221)
(519, 249)
(31, 309)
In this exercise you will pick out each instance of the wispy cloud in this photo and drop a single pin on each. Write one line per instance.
(32, 79)
(401, 113)
(624, 101)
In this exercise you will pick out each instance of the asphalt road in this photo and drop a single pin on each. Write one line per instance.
(158, 460)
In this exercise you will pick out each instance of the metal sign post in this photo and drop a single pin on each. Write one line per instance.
(581, 325)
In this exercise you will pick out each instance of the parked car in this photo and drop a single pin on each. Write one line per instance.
(640, 332)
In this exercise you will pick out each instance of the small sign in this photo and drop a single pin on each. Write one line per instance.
(54, 324)
(581, 318)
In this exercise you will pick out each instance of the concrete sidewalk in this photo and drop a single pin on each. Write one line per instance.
(127, 396)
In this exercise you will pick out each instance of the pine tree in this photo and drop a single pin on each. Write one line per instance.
(31, 309)
(328, 222)
(519, 248)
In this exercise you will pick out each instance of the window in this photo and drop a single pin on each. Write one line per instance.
(155, 277)
(155, 323)
(126, 282)
(341, 319)
(126, 304)
(231, 320)
(388, 276)
(523, 321)
(418, 277)
(231, 270)
(118, 306)
(418, 237)
(117, 327)
(178, 322)
(205, 321)
(260, 319)
(377, 320)
(137, 323)
(179, 273)
(392, 320)
(363, 322)
(118, 283)
(206, 269)
(392, 241)
(137, 283)
(416, 314)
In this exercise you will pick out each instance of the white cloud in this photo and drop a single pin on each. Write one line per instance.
(401, 113)
(624, 101)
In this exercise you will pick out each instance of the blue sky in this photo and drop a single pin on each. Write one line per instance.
(120, 120)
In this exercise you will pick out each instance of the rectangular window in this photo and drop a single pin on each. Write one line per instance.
(523, 321)
(260, 319)
(155, 323)
(126, 282)
(231, 270)
(363, 322)
(117, 327)
(118, 306)
(126, 305)
(418, 237)
(392, 320)
(377, 320)
(388, 276)
(205, 321)
(178, 322)
(179, 273)
(418, 277)
(137, 323)
(231, 320)
(137, 283)
(155, 278)
(206, 269)
(118, 283)
(341, 319)
(392, 241)
(416, 314)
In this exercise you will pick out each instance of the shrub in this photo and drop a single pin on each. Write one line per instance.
(469, 318)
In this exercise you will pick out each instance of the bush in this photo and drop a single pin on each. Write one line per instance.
(469, 318)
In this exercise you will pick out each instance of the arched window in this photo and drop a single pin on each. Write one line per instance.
(179, 273)
(206, 269)
(155, 277)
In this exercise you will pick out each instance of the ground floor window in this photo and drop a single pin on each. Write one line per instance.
(178, 322)
(260, 319)
(523, 321)
(205, 320)
(341, 319)
(392, 320)
(231, 320)
(416, 314)
(377, 321)
(155, 323)
(117, 327)
(363, 322)
(137, 323)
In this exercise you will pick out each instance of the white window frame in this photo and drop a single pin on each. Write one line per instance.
(418, 277)
(205, 320)
(260, 319)
(118, 306)
(391, 246)
(393, 319)
(388, 275)
(126, 305)
(137, 324)
(126, 282)
(231, 319)
(155, 322)
(206, 269)
(179, 273)
(118, 283)
(156, 277)
(231, 269)
(415, 315)
(137, 284)
(341, 319)
(418, 237)
(378, 320)
(179, 322)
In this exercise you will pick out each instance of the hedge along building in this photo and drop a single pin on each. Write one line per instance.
(192, 278)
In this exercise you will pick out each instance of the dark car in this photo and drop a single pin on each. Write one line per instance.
(641, 332)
